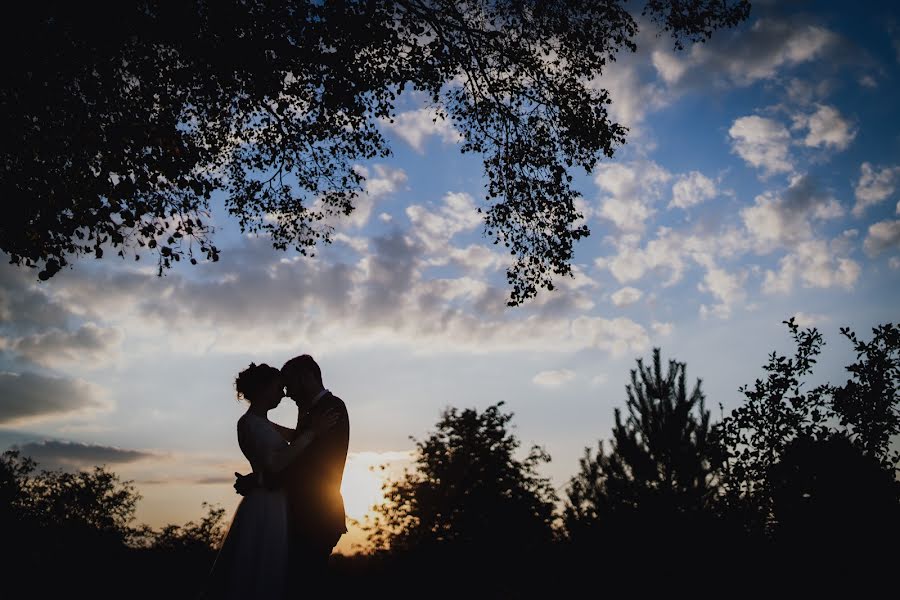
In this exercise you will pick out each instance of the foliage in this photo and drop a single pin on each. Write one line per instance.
(65, 506)
(776, 411)
(659, 471)
(868, 404)
(118, 137)
(827, 494)
(781, 427)
(202, 536)
(467, 492)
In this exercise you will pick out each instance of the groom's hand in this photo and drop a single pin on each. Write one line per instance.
(244, 483)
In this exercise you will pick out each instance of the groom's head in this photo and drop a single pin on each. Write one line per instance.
(302, 378)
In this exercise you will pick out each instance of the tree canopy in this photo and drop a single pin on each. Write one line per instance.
(659, 471)
(467, 490)
(117, 137)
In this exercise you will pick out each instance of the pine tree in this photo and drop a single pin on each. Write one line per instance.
(658, 474)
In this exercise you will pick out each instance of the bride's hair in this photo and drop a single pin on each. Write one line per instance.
(252, 379)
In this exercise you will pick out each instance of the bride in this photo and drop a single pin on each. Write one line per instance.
(253, 558)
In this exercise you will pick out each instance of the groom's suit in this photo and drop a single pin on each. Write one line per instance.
(313, 487)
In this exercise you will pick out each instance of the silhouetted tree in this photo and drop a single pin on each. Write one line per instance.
(203, 536)
(776, 444)
(776, 411)
(868, 404)
(468, 504)
(657, 480)
(828, 495)
(116, 136)
(79, 525)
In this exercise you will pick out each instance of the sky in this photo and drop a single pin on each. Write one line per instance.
(760, 181)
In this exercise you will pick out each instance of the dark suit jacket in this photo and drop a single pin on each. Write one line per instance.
(313, 481)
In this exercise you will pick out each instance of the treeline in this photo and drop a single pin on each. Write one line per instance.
(797, 483)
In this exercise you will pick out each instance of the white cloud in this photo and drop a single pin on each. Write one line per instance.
(435, 228)
(617, 336)
(809, 319)
(692, 189)
(868, 81)
(884, 235)
(762, 143)
(826, 128)
(815, 265)
(727, 288)
(553, 378)
(785, 218)
(598, 380)
(874, 185)
(634, 89)
(630, 190)
(894, 262)
(381, 181)
(416, 126)
(626, 296)
(667, 253)
(387, 298)
(745, 57)
(662, 329)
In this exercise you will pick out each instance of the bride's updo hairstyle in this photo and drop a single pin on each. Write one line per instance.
(253, 379)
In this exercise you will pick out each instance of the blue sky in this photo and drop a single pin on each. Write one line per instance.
(760, 180)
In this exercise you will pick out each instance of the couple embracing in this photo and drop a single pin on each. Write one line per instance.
(292, 512)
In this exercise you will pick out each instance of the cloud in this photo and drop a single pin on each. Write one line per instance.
(630, 191)
(52, 454)
(667, 255)
(90, 345)
(434, 228)
(617, 336)
(31, 397)
(815, 264)
(826, 128)
(785, 218)
(632, 90)
(744, 57)
(388, 297)
(727, 288)
(553, 378)
(692, 189)
(762, 143)
(415, 126)
(626, 296)
(809, 319)
(381, 181)
(868, 81)
(874, 185)
(662, 329)
(25, 305)
(884, 235)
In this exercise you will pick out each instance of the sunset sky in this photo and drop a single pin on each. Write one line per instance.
(760, 181)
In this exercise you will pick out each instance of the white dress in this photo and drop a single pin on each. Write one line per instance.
(253, 559)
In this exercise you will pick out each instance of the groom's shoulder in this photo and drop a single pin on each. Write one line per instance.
(337, 402)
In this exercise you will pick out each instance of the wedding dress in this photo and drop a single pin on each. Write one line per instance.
(253, 559)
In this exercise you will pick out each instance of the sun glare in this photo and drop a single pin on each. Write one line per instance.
(363, 479)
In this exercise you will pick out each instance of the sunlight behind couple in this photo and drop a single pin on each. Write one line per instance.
(361, 488)
(363, 479)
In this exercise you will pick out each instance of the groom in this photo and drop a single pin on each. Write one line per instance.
(313, 481)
